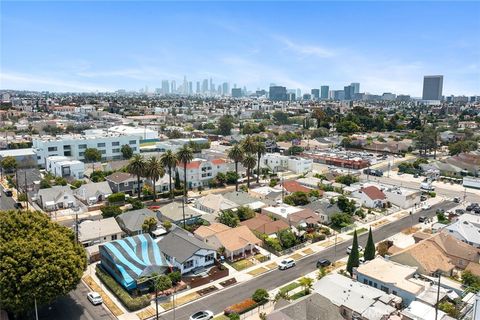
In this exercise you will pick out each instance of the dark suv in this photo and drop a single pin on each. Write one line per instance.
(323, 263)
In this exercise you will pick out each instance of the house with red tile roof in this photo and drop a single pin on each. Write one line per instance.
(201, 171)
(371, 197)
(291, 186)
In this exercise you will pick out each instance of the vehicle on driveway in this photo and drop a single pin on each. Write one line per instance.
(17, 205)
(94, 298)
(286, 264)
(321, 263)
(202, 315)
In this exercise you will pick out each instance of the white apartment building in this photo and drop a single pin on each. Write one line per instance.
(61, 166)
(201, 171)
(277, 162)
(74, 146)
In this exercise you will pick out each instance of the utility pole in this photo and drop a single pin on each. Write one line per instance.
(36, 310)
(76, 226)
(439, 273)
(26, 188)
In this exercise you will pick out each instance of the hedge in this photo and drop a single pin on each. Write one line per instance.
(132, 304)
(242, 307)
(116, 197)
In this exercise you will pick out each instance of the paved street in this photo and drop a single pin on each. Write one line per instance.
(74, 306)
(217, 302)
(6, 203)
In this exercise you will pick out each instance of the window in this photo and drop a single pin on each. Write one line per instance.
(209, 257)
(132, 142)
(115, 150)
(81, 154)
(50, 149)
(365, 281)
(114, 144)
(394, 292)
(374, 284)
(384, 289)
(101, 145)
(134, 148)
(67, 147)
(188, 264)
(82, 146)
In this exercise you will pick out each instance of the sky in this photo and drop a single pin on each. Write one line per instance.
(104, 46)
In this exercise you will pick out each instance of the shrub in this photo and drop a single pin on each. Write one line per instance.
(110, 211)
(116, 197)
(131, 303)
(260, 295)
(241, 307)
(234, 316)
(175, 276)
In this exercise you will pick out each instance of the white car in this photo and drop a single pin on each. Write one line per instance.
(94, 298)
(202, 315)
(286, 264)
(349, 249)
(426, 206)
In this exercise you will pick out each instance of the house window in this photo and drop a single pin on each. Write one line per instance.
(50, 149)
(114, 237)
(115, 143)
(82, 146)
(81, 154)
(132, 142)
(394, 292)
(188, 264)
(115, 150)
(365, 281)
(209, 257)
(384, 289)
(101, 145)
(125, 184)
(374, 284)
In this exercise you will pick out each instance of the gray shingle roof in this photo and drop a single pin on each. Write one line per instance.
(322, 206)
(132, 221)
(181, 244)
(93, 189)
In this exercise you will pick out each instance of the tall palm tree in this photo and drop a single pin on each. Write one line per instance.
(184, 155)
(249, 162)
(136, 166)
(236, 154)
(154, 171)
(169, 160)
(260, 150)
(249, 145)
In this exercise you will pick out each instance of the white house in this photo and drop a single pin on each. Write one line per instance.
(277, 162)
(402, 197)
(93, 193)
(185, 252)
(466, 229)
(201, 171)
(99, 231)
(56, 197)
(370, 197)
(61, 166)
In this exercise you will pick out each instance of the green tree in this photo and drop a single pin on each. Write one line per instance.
(341, 220)
(287, 238)
(154, 170)
(169, 160)
(249, 145)
(163, 283)
(260, 296)
(306, 283)
(462, 146)
(127, 151)
(294, 150)
(45, 184)
(137, 167)
(346, 179)
(39, 260)
(354, 257)
(245, 213)
(297, 198)
(225, 125)
(167, 225)
(228, 218)
(178, 183)
(110, 211)
(249, 162)
(346, 205)
(236, 155)
(92, 155)
(175, 276)
(149, 224)
(280, 117)
(260, 149)
(9, 164)
(185, 156)
(370, 247)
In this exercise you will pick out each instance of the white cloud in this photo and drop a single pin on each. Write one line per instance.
(306, 49)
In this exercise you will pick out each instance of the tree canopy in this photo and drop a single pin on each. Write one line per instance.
(39, 260)
(92, 155)
(127, 151)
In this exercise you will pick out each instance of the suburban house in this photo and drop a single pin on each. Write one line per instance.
(356, 300)
(466, 229)
(294, 216)
(123, 182)
(313, 306)
(127, 260)
(162, 184)
(201, 171)
(214, 204)
(98, 231)
(266, 193)
(238, 242)
(371, 197)
(93, 193)
(56, 198)
(402, 197)
(26, 158)
(243, 199)
(291, 186)
(265, 225)
(310, 182)
(185, 252)
(131, 221)
(65, 167)
(324, 209)
(173, 212)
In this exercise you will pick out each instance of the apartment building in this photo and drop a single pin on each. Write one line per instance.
(201, 171)
(74, 146)
(277, 162)
(65, 167)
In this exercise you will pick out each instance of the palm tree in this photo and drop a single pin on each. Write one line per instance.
(249, 162)
(236, 154)
(184, 155)
(136, 166)
(249, 145)
(260, 149)
(169, 160)
(154, 171)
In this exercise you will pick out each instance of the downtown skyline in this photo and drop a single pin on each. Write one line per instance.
(387, 47)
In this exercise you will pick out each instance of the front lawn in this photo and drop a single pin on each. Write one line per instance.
(241, 264)
(359, 231)
(290, 287)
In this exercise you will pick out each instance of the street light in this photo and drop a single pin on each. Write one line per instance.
(438, 273)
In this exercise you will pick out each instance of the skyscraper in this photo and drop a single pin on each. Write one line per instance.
(212, 87)
(205, 86)
(225, 89)
(315, 94)
(277, 93)
(348, 92)
(165, 87)
(356, 88)
(432, 87)
(324, 92)
(185, 85)
(190, 88)
(236, 93)
(174, 87)
(198, 87)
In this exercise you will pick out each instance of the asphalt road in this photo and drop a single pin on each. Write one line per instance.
(6, 203)
(219, 301)
(74, 306)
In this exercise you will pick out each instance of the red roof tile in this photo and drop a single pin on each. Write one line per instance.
(374, 193)
(218, 161)
(294, 186)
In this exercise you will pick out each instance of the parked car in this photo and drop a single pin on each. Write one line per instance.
(423, 198)
(349, 249)
(202, 315)
(422, 219)
(456, 199)
(8, 193)
(286, 264)
(323, 263)
(18, 205)
(439, 211)
(94, 298)
(459, 211)
(476, 210)
(469, 207)
(190, 200)
(426, 206)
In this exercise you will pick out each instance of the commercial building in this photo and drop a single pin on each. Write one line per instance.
(65, 167)
(432, 88)
(109, 144)
(277, 93)
(277, 162)
(236, 92)
(324, 92)
(315, 94)
(26, 158)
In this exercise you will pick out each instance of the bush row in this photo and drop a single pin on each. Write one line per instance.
(131, 303)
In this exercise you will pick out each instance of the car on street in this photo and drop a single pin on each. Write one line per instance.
(321, 263)
(8, 193)
(476, 210)
(422, 219)
(423, 198)
(440, 211)
(456, 199)
(94, 298)
(17, 205)
(202, 315)
(286, 264)
(459, 211)
(469, 207)
(349, 249)
(426, 206)
(190, 200)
